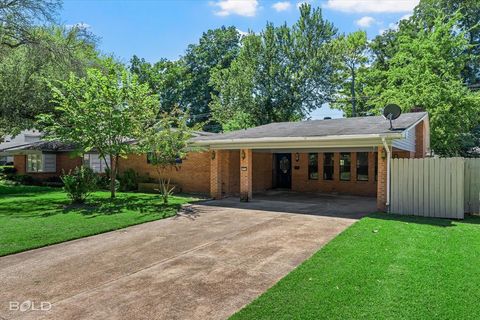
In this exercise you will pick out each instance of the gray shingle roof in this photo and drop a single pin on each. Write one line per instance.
(47, 146)
(321, 128)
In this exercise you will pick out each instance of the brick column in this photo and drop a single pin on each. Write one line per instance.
(353, 166)
(382, 180)
(336, 166)
(420, 143)
(246, 169)
(216, 174)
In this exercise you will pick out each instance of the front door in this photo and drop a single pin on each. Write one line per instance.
(283, 165)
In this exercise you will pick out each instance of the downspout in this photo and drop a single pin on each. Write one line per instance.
(389, 155)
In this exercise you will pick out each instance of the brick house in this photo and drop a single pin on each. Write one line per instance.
(342, 156)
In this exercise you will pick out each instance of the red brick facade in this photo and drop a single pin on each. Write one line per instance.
(243, 172)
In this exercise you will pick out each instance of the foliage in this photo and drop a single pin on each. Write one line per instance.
(166, 142)
(424, 72)
(18, 20)
(102, 111)
(79, 183)
(33, 217)
(104, 181)
(351, 52)
(383, 267)
(31, 55)
(6, 170)
(280, 74)
(165, 78)
(470, 143)
(128, 180)
(24, 179)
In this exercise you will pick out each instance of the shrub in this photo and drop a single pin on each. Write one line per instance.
(128, 180)
(104, 181)
(6, 170)
(21, 179)
(79, 183)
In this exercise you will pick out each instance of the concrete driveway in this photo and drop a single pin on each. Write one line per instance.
(206, 263)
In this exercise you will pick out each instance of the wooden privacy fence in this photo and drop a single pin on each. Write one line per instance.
(432, 187)
(472, 186)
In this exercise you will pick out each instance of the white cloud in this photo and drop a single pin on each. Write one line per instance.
(365, 22)
(374, 6)
(299, 4)
(246, 8)
(282, 5)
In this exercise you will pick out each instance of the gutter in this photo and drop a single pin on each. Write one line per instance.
(395, 135)
(389, 156)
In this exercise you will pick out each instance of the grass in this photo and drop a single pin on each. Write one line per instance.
(383, 267)
(32, 217)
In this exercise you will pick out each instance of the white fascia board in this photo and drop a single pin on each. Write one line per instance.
(345, 141)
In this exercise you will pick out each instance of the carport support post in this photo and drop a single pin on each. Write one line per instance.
(246, 176)
(382, 179)
(216, 174)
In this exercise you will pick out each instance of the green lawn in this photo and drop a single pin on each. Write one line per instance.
(32, 217)
(383, 267)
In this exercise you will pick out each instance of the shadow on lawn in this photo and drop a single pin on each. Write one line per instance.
(440, 222)
(106, 206)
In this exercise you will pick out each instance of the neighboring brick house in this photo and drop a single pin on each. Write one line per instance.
(344, 156)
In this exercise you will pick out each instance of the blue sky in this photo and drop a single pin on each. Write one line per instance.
(157, 29)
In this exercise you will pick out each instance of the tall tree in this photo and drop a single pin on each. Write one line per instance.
(351, 51)
(280, 74)
(425, 72)
(165, 78)
(102, 111)
(26, 70)
(215, 50)
(18, 19)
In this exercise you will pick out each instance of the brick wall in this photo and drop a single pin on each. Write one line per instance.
(420, 140)
(193, 174)
(301, 183)
(382, 180)
(64, 162)
(262, 171)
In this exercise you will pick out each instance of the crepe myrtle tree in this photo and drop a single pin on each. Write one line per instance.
(166, 143)
(103, 111)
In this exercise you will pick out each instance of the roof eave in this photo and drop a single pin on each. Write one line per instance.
(365, 140)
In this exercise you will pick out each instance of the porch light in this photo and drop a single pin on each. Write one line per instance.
(213, 155)
(243, 154)
(297, 157)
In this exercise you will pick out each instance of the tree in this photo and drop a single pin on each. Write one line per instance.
(165, 78)
(280, 74)
(18, 19)
(215, 50)
(103, 111)
(425, 72)
(26, 70)
(351, 51)
(166, 143)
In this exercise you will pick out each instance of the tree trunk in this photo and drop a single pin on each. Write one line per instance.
(352, 91)
(113, 175)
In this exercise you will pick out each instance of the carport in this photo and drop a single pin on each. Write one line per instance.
(347, 156)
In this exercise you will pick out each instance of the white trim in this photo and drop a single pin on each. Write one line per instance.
(389, 156)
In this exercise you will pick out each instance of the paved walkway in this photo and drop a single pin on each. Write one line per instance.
(206, 263)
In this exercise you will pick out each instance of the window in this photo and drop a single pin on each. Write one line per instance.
(34, 163)
(328, 166)
(362, 166)
(345, 160)
(95, 162)
(313, 166)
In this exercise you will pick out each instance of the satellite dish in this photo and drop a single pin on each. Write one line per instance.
(391, 112)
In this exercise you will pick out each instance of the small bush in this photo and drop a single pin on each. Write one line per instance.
(79, 183)
(128, 180)
(21, 178)
(104, 181)
(7, 170)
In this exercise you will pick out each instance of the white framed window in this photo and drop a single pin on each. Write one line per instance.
(94, 162)
(41, 162)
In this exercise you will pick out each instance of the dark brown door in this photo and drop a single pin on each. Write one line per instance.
(283, 165)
